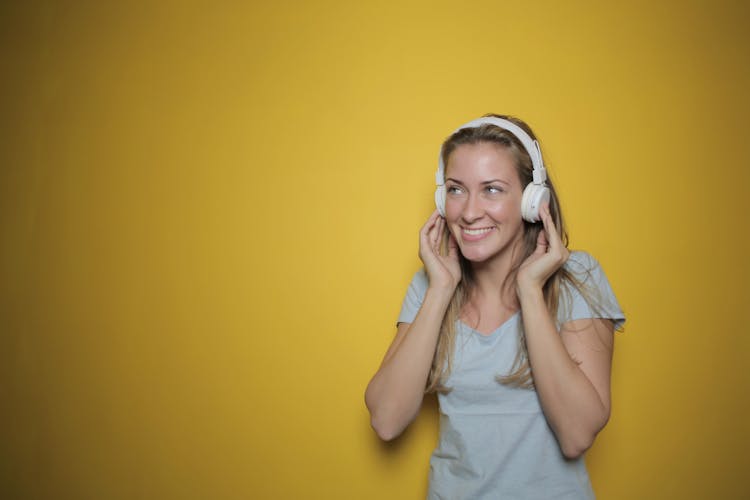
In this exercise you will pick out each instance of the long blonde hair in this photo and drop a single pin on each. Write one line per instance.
(520, 375)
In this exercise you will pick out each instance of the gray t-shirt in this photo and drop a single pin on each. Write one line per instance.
(494, 440)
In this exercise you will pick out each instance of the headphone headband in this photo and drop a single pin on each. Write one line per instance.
(531, 146)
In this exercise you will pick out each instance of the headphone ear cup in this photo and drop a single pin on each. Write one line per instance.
(533, 197)
(440, 199)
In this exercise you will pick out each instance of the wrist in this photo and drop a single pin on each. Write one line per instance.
(529, 292)
(441, 291)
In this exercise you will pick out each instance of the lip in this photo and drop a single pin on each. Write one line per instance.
(476, 234)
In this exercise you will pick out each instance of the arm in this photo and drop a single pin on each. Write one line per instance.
(572, 367)
(571, 373)
(395, 392)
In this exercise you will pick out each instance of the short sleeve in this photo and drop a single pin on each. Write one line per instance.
(414, 297)
(594, 298)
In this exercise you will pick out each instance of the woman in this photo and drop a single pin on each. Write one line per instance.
(512, 330)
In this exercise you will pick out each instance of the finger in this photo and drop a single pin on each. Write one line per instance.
(541, 243)
(424, 238)
(434, 217)
(430, 221)
(544, 214)
(436, 234)
(543, 240)
(553, 240)
(443, 230)
(553, 236)
(424, 233)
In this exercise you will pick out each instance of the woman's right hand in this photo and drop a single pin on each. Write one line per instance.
(395, 393)
(443, 270)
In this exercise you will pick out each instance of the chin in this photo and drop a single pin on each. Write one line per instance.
(475, 255)
(482, 253)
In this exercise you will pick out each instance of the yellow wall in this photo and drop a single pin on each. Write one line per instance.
(209, 215)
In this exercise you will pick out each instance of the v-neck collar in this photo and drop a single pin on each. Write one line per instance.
(496, 331)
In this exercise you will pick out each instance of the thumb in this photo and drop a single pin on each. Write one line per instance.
(541, 243)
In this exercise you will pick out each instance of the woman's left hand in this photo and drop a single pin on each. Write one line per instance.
(549, 256)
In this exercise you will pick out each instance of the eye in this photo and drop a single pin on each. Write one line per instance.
(453, 189)
(494, 189)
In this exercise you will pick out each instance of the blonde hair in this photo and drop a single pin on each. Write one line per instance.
(520, 375)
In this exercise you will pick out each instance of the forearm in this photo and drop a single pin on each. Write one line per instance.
(395, 393)
(571, 403)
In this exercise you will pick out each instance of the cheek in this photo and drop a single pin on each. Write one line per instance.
(452, 210)
(507, 209)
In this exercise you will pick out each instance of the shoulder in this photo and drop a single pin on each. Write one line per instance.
(418, 286)
(586, 291)
(584, 268)
(581, 261)
(420, 279)
(414, 297)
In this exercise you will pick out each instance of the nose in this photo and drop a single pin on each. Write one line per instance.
(472, 209)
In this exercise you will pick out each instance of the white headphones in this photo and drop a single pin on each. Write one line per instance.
(536, 192)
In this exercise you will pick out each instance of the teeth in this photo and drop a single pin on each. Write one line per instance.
(477, 232)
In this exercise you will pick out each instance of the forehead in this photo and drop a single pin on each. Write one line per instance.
(482, 161)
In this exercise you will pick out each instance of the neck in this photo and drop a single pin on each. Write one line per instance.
(492, 278)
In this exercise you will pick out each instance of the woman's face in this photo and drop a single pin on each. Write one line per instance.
(483, 200)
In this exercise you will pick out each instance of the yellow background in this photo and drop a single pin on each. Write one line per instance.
(209, 215)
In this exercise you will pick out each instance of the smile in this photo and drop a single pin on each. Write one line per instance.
(475, 234)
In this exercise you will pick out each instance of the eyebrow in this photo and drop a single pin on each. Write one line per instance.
(491, 181)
